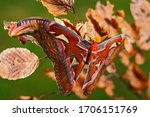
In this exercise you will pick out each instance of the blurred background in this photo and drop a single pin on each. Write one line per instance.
(38, 84)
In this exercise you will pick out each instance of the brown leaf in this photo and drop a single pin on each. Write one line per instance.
(50, 73)
(27, 98)
(102, 20)
(107, 85)
(139, 58)
(125, 57)
(105, 11)
(77, 89)
(140, 10)
(126, 28)
(17, 63)
(86, 30)
(135, 77)
(121, 13)
(111, 68)
(57, 7)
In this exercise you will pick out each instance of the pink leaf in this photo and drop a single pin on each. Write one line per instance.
(140, 10)
(17, 63)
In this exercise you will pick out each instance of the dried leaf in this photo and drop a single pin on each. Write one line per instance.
(77, 89)
(57, 7)
(109, 90)
(99, 25)
(124, 57)
(27, 98)
(140, 10)
(17, 63)
(106, 14)
(135, 77)
(50, 73)
(86, 30)
(121, 13)
(111, 68)
(126, 28)
(101, 84)
(102, 20)
(107, 85)
(139, 58)
(105, 11)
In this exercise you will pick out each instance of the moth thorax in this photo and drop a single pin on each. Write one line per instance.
(93, 47)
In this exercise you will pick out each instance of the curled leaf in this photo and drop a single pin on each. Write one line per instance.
(57, 7)
(86, 30)
(126, 28)
(17, 63)
(105, 11)
(102, 19)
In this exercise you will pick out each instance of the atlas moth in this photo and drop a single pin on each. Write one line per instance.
(62, 46)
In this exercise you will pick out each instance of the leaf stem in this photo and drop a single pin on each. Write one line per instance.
(75, 15)
(43, 58)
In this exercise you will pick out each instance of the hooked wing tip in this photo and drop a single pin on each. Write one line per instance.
(127, 42)
(125, 36)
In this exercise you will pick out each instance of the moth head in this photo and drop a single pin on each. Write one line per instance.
(23, 27)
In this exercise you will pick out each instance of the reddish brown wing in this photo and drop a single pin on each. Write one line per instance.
(102, 58)
(75, 46)
(48, 35)
(54, 49)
